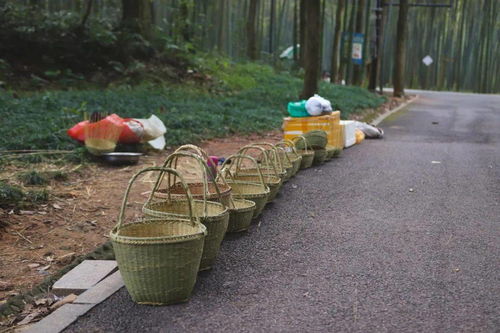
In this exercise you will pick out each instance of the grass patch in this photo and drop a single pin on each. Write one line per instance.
(10, 195)
(242, 98)
(14, 197)
(37, 197)
(32, 178)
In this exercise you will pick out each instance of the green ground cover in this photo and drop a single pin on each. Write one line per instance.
(240, 98)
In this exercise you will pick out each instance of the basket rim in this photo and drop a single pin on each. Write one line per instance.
(263, 191)
(148, 207)
(116, 237)
(250, 206)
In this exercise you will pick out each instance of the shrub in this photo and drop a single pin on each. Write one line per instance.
(10, 195)
(32, 178)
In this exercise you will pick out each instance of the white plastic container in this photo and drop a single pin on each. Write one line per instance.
(349, 130)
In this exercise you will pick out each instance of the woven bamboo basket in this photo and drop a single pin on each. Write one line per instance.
(319, 156)
(176, 190)
(307, 154)
(240, 214)
(292, 155)
(286, 163)
(278, 157)
(330, 151)
(273, 181)
(256, 192)
(316, 139)
(213, 215)
(158, 258)
(268, 160)
(337, 152)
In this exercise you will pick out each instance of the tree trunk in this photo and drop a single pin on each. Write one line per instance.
(302, 31)
(352, 23)
(271, 26)
(399, 56)
(311, 53)
(335, 77)
(184, 20)
(137, 17)
(251, 30)
(372, 86)
(321, 37)
(295, 32)
(358, 69)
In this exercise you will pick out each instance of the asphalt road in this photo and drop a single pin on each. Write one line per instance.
(398, 235)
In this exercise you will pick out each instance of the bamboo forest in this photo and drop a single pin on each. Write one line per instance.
(460, 37)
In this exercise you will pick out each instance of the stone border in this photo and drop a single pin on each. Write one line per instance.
(58, 320)
(16, 304)
(384, 115)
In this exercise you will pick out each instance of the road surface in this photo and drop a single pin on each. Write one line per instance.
(399, 235)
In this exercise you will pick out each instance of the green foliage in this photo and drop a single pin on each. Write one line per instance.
(10, 195)
(242, 98)
(32, 178)
(37, 197)
(14, 197)
(54, 47)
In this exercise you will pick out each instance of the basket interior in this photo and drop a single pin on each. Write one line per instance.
(181, 207)
(242, 204)
(268, 179)
(196, 189)
(247, 188)
(163, 229)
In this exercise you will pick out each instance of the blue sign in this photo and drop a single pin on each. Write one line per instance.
(357, 48)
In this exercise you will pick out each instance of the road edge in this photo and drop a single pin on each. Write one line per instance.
(384, 115)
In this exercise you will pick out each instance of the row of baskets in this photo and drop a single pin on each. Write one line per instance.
(183, 224)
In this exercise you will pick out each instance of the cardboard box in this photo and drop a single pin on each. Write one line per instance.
(294, 127)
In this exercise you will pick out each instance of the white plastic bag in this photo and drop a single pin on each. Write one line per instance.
(369, 130)
(153, 128)
(316, 105)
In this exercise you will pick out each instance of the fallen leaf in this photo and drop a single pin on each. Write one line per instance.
(68, 299)
(66, 259)
(44, 268)
(29, 318)
(35, 265)
(43, 301)
(56, 206)
(26, 212)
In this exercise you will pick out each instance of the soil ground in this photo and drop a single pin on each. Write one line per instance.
(81, 211)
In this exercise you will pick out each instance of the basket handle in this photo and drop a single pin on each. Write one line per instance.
(202, 153)
(289, 144)
(273, 152)
(174, 159)
(285, 156)
(303, 138)
(246, 148)
(240, 157)
(163, 170)
(274, 148)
